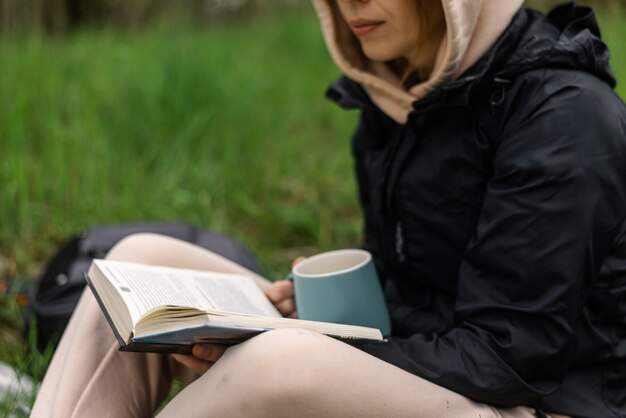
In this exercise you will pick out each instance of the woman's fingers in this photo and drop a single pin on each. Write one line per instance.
(204, 356)
(297, 261)
(208, 352)
(281, 295)
(287, 307)
(197, 366)
(280, 291)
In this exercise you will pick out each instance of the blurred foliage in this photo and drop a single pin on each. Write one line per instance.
(545, 5)
(59, 16)
(94, 120)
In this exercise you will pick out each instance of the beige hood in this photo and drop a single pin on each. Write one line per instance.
(472, 26)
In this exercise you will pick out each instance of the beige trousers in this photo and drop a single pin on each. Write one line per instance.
(286, 373)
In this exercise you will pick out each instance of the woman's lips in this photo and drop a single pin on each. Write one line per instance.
(362, 27)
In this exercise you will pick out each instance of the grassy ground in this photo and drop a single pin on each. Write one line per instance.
(226, 128)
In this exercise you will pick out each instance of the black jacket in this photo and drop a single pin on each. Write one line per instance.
(497, 215)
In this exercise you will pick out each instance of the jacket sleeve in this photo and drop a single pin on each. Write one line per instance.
(551, 209)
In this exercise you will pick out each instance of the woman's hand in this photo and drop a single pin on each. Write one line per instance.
(203, 358)
(281, 294)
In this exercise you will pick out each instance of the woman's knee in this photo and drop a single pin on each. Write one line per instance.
(142, 247)
(129, 246)
(289, 362)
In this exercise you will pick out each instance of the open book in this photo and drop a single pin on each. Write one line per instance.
(162, 309)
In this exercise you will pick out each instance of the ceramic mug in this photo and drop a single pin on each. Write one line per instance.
(342, 287)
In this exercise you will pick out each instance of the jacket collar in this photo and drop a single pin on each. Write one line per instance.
(567, 38)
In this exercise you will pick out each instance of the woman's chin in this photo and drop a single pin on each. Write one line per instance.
(375, 53)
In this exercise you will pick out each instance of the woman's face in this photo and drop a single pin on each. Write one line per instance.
(386, 29)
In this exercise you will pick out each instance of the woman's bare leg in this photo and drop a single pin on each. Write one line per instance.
(295, 373)
(88, 376)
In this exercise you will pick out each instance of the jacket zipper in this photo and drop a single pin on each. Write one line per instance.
(393, 228)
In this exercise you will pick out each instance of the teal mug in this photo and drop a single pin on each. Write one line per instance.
(342, 287)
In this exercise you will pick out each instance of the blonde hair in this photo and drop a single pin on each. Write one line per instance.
(431, 23)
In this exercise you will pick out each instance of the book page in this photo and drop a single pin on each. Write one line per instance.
(146, 287)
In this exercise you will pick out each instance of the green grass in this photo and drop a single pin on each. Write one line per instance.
(613, 28)
(226, 128)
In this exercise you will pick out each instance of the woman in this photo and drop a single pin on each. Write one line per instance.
(491, 159)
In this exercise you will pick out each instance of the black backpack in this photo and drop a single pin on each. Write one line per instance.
(56, 292)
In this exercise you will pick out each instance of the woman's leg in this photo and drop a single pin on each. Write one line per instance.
(88, 376)
(289, 373)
